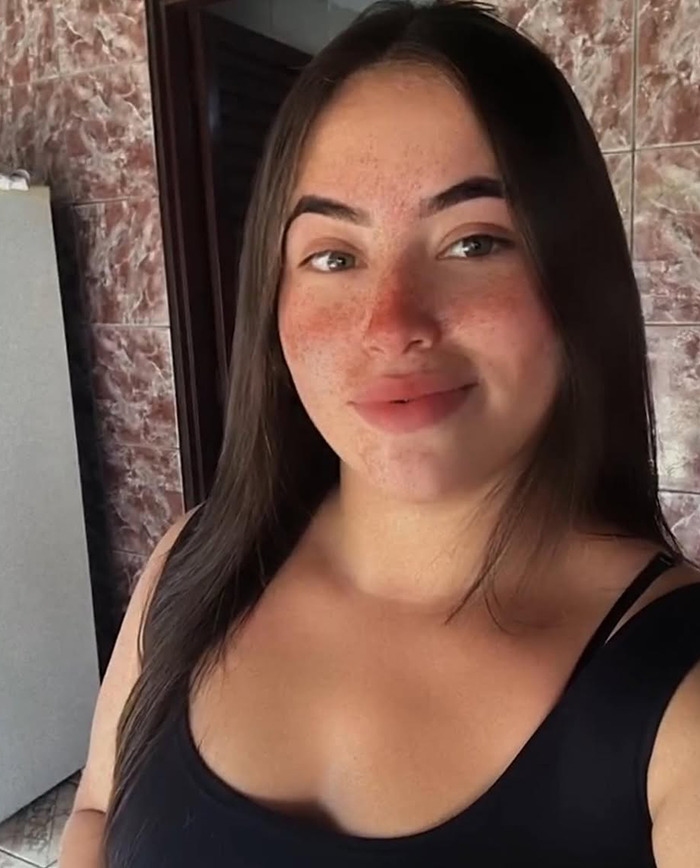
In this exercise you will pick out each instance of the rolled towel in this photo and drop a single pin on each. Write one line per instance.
(18, 180)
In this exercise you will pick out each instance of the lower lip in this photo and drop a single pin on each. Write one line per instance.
(416, 414)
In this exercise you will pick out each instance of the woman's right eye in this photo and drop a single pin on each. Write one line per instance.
(330, 256)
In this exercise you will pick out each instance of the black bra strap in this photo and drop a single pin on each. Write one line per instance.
(656, 566)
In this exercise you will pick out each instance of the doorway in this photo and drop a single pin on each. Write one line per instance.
(217, 84)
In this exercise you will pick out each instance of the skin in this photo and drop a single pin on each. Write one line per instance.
(407, 295)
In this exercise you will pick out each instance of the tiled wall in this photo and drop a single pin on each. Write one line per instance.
(635, 66)
(75, 109)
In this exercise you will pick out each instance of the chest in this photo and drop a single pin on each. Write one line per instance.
(374, 728)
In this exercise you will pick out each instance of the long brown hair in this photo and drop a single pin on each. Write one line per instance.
(596, 455)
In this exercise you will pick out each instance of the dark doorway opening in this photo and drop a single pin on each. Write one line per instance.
(216, 88)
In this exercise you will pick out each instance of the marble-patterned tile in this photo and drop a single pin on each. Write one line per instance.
(128, 568)
(108, 137)
(620, 171)
(667, 233)
(591, 41)
(682, 512)
(134, 386)
(668, 77)
(48, 123)
(28, 39)
(674, 354)
(121, 261)
(7, 136)
(35, 125)
(145, 495)
(93, 33)
(89, 137)
(34, 833)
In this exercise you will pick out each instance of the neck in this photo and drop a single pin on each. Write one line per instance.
(415, 556)
(422, 558)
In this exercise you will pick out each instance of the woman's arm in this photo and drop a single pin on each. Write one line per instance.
(676, 823)
(81, 836)
(81, 840)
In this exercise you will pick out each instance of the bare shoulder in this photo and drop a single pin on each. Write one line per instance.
(673, 781)
(675, 768)
(121, 674)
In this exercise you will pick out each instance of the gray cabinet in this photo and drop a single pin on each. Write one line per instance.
(48, 658)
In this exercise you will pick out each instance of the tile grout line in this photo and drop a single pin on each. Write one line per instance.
(83, 203)
(63, 75)
(20, 859)
(131, 325)
(693, 143)
(126, 552)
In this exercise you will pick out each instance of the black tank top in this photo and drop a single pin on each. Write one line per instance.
(574, 796)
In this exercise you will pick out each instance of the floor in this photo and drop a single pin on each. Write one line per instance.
(31, 836)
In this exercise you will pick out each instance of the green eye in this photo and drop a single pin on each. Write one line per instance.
(476, 246)
(471, 246)
(332, 257)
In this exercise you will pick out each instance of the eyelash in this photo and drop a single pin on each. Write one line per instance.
(500, 244)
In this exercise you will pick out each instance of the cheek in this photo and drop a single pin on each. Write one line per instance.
(512, 337)
(314, 338)
(506, 332)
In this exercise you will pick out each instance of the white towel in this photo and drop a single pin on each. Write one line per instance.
(18, 180)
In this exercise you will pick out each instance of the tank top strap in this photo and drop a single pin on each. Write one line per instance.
(661, 562)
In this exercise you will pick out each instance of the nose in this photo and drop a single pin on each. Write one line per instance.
(399, 315)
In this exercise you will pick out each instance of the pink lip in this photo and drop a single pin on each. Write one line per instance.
(416, 413)
(408, 387)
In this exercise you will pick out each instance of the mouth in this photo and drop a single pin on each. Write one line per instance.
(407, 415)
(420, 397)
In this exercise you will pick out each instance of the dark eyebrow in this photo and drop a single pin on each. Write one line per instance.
(471, 188)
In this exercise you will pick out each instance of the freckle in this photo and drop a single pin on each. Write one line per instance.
(309, 330)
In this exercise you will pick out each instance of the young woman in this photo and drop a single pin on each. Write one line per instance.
(431, 612)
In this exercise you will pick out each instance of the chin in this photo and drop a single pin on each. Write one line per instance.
(416, 479)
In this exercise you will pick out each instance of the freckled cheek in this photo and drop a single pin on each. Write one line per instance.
(314, 340)
(509, 331)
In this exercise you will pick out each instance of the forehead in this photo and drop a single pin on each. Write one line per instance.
(395, 131)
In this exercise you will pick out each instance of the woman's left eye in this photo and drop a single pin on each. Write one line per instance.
(475, 246)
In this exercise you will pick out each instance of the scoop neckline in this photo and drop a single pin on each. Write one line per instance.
(467, 817)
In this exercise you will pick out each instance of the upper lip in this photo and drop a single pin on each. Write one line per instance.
(409, 386)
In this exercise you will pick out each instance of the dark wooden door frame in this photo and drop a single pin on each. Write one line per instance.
(197, 368)
(201, 283)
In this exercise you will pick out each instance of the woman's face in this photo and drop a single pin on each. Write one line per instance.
(404, 291)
